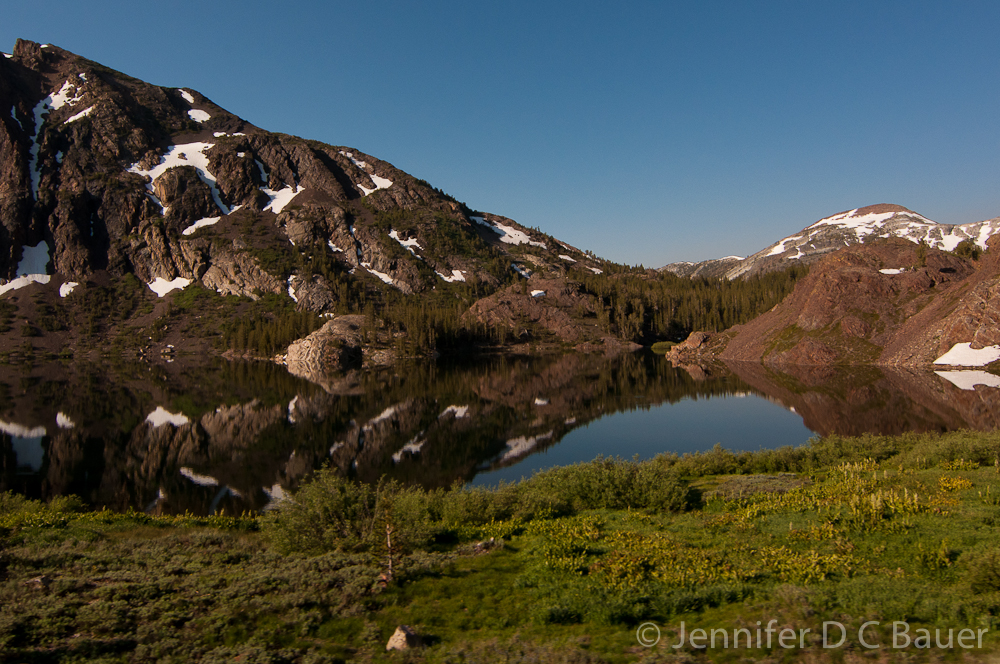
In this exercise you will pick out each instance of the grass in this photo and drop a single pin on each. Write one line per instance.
(563, 567)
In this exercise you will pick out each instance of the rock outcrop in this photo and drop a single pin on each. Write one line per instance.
(333, 348)
(556, 306)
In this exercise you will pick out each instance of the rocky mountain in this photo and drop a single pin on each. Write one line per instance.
(103, 176)
(845, 229)
(890, 303)
(715, 268)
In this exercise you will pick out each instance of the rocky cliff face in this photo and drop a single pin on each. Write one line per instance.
(845, 229)
(102, 175)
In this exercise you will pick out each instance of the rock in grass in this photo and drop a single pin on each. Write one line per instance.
(403, 638)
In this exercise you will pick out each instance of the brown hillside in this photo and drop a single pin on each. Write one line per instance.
(848, 312)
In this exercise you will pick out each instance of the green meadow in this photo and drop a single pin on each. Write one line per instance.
(891, 542)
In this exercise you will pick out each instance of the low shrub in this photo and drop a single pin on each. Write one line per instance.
(612, 484)
(332, 513)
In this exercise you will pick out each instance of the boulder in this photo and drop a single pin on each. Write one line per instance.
(332, 348)
(403, 638)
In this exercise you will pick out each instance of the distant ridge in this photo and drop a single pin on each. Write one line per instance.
(843, 229)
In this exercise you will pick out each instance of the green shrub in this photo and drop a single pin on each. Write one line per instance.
(968, 249)
(477, 506)
(331, 513)
(612, 484)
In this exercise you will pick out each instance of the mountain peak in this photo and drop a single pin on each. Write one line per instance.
(844, 229)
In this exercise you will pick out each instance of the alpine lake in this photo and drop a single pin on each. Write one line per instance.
(186, 437)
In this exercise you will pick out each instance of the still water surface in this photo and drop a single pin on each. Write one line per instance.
(175, 438)
(739, 422)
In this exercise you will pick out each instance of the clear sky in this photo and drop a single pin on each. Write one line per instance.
(648, 132)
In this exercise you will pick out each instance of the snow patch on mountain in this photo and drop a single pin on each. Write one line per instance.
(69, 94)
(350, 155)
(32, 269)
(67, 288)
(21, 282)
(162, 416)
(201, 223)
(964, 355)
(161, 286)
(381, 275)
(187, 96)
(456, 275)
(521, 271)
(864, 223)
(780, 247)
(407, 244)
(198, 115)
(82, 114)
(379, 182)
(280, 198)
(508, 234)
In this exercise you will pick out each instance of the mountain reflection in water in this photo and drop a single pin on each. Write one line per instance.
(238, 436)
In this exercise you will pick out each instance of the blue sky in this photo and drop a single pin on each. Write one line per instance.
(648, 132)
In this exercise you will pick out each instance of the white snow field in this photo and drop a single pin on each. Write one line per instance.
(162, 416)
(508, 234)
(456, 275)
(281, 197)
(963, 355)
(161, 286)
(201, 223)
